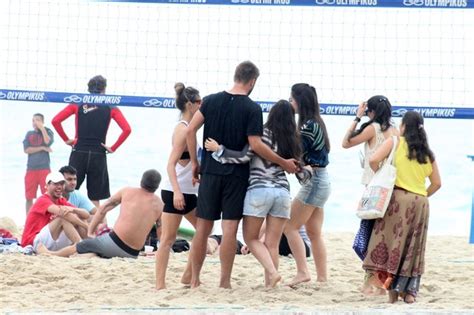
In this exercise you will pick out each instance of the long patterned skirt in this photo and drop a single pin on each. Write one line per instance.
(396, 254)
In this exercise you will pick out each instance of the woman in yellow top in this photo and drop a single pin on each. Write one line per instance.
(396, 254)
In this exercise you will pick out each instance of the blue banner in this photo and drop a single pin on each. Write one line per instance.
(166, 102)
(430, 4)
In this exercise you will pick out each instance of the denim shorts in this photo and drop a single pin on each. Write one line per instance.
(317, 191)
(260, 202)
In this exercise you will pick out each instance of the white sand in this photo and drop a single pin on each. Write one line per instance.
(33, 283)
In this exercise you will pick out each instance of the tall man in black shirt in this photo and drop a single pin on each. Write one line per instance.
(234, 120)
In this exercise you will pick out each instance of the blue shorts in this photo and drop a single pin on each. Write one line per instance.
(260, 202)
(316, 192)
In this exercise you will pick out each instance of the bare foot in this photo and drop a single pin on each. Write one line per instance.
(273, 280)
(160, 287)
(366, 289)
(42, 250)
(372, 280)
(225, 285)
(378, 291)
(299, 278)
(195, 284)
(186, 278)
(392, 296)
(372, 291)
(409, 299)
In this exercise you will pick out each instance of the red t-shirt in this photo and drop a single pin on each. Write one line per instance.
(38, 217)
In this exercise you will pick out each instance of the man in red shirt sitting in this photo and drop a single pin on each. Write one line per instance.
(52, 220)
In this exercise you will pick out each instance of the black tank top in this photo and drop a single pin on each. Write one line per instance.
(92, 124)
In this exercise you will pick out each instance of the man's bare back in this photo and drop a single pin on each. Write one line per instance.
(139, 210)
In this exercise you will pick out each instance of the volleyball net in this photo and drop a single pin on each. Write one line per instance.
(418, 53)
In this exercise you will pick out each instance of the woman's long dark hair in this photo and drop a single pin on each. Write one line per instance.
(308, 107)
(281, 123)
(415, 136)
(382, 109)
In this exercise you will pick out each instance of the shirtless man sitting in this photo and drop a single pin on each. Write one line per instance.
(140, 209)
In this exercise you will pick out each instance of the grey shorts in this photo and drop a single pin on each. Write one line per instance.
(317, 191)
(260, 202)
(107, 246)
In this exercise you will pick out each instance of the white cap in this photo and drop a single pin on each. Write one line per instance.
(55, 177)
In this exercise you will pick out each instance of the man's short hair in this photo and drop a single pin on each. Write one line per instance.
(245, 72)
(97, 84)
(151, 179)
(39, 115)
(68, 169)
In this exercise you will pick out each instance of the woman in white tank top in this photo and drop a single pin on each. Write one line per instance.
(178, 193)
(372, 133)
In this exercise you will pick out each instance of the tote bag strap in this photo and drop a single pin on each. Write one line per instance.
(390, 157)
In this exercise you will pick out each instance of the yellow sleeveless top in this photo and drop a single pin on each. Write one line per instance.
(411, 175)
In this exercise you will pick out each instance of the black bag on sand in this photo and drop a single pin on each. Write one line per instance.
(180, 245)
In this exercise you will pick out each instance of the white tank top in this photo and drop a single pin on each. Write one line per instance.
(184, 175)
(367, 174)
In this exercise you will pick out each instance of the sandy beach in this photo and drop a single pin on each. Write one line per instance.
(53, 284)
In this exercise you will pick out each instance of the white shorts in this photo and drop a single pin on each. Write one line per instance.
(45, 237)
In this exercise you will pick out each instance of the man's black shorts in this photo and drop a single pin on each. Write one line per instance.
(221, 194)
(94, 165)
(189, 199)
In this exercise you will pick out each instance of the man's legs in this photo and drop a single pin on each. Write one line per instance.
(31, 186)
(65, 252)
(98, 187)
(233, 195)
(227, 250)
(78, 160)
(198, 249)
(59, 225)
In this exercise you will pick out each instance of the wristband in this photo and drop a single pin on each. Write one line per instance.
(357, 119)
